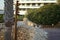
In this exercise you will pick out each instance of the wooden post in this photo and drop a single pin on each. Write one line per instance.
(16, 12)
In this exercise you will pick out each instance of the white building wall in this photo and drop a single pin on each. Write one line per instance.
(27, 4)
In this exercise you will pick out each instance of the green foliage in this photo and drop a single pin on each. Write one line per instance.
(1, 18)
(46, 15)
(20, 17)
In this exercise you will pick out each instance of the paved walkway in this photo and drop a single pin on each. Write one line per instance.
(53, 34)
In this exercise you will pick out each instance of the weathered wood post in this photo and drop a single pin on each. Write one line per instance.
(16, 20)
(8, 18)
(16, 13)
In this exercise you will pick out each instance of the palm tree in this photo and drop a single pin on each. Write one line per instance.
(8, 18)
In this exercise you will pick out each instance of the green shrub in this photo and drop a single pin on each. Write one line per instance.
(46, 15)
(1, 18)
(20, 17)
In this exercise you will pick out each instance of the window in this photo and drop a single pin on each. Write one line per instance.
(33, 4)
(38, 4)
(23, 4)
(28, 4)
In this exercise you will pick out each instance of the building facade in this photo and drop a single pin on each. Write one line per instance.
(27, 4)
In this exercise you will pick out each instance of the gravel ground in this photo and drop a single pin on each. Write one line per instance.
(1, 34)
(27, 33)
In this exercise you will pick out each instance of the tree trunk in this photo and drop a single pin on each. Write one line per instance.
(8, 31)
(8, 18)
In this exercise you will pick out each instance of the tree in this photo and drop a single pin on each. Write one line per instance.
(46, 15)
(8, 18)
